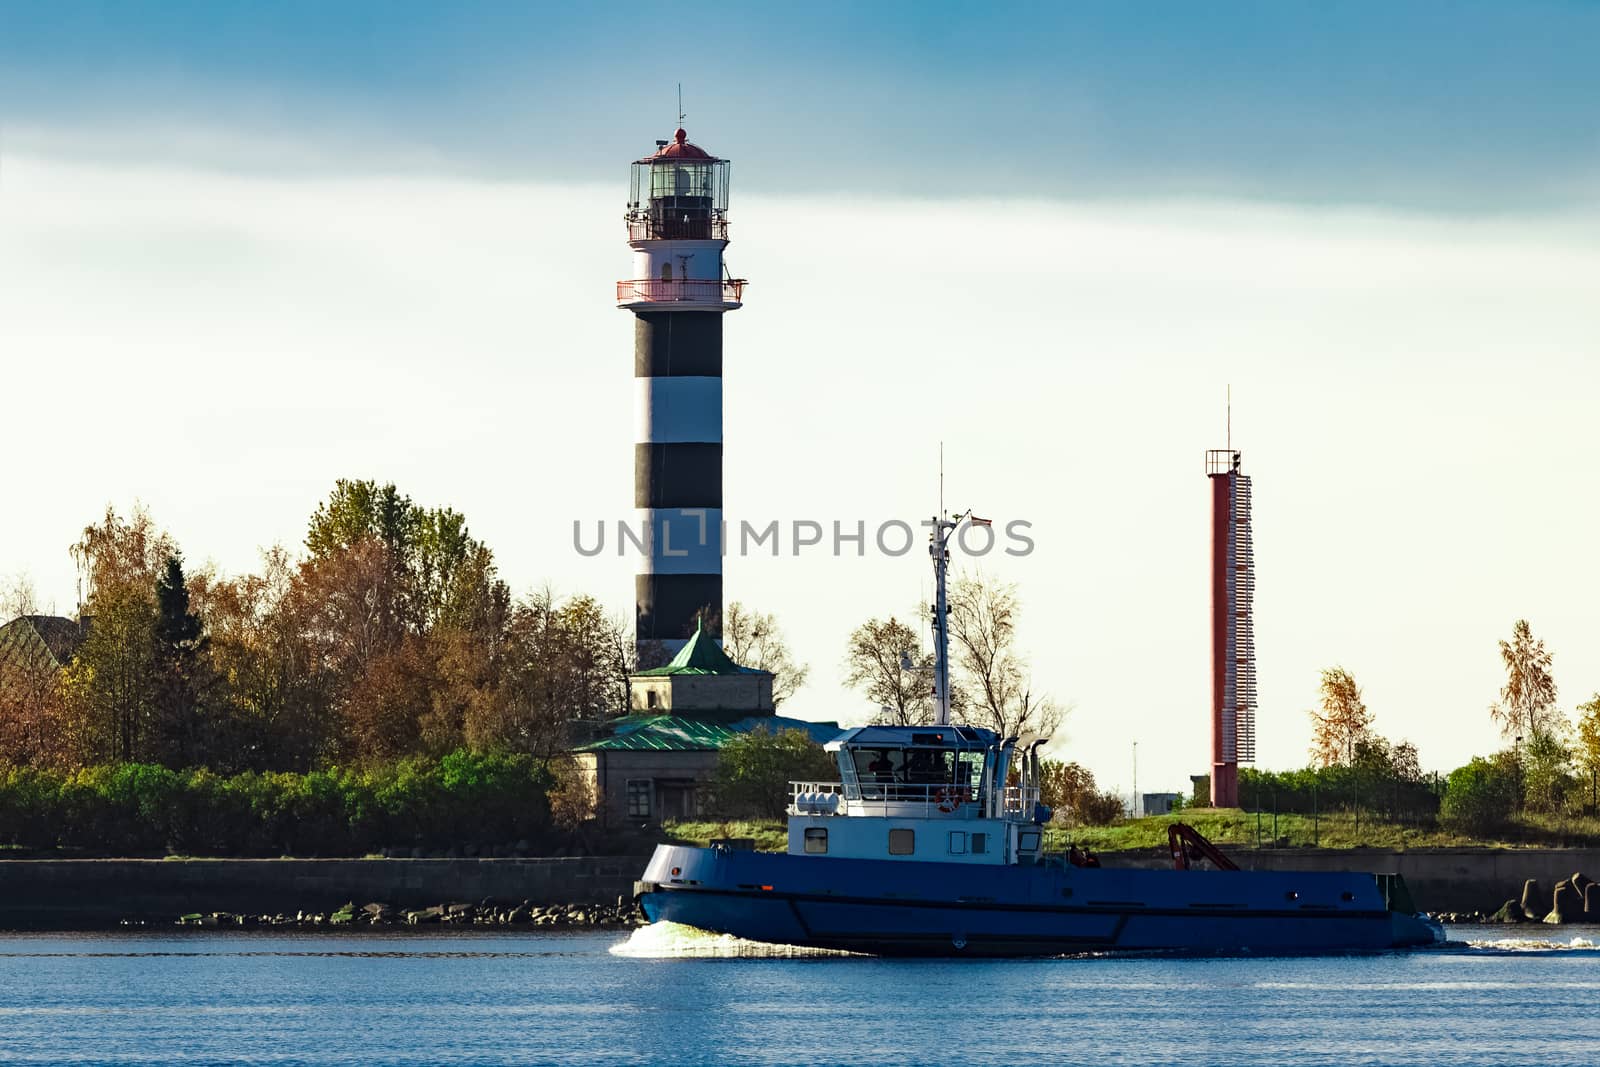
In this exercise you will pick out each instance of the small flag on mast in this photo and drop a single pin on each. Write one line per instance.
(981, 522)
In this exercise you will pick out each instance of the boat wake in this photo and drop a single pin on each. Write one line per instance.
(1509, 945)
(669, 941)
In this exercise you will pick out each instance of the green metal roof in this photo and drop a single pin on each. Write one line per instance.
(700, 655)
(674, 733)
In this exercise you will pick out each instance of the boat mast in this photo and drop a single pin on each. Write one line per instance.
(939, 549)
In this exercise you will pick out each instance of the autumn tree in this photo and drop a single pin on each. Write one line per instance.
(118, 552)
(1527, 704)
(277, 692)
(394, 636)
(345, 609)
(1070, 790)
(110, 685)
(438, 570)
(1341, 720)
(1588, 751)
(565, 661)
(999, 688)
(878, 652)
(753, 639)
(595, 658)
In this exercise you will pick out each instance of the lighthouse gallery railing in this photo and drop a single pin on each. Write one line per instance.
(655, 290)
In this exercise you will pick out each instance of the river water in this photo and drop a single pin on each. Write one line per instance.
(671, 995)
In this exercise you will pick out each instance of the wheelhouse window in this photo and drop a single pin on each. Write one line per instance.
(915, 773)
(816, 839)
(902, 842)
(980, 843)
(1028, 841)
(639, 790)
(958, 842)
(969, 771)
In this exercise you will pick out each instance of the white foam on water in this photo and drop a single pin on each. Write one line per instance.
(1534, 944)
(667, 941)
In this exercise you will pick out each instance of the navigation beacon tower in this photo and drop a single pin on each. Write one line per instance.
(1233, 642)
(677, 222)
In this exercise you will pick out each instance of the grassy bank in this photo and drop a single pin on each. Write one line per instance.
(769, 835)
(1232, 828)
(1239, 829)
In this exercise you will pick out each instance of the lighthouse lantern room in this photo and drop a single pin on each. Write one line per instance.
(677, 222)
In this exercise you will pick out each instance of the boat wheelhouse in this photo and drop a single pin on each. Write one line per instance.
(920, 794)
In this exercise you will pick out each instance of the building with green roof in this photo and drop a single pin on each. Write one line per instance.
(655, 762)
(702, 680)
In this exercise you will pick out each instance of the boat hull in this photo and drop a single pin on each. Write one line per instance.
(938, 909)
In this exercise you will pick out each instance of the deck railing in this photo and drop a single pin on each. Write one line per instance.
(944, 799)
(1020, 800)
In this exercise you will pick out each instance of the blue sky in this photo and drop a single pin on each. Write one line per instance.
(1460, 106)
(345, 240)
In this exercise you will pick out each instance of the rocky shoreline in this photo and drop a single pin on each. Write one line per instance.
(1574, 900)
(378, 915)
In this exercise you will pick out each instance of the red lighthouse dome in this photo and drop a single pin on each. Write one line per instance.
(680, 149)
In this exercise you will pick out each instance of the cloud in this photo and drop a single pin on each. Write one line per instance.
(1442, 108)
(1410, 393)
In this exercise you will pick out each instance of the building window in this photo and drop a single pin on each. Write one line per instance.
(902, 842)
(650, 698)
(980, 843)
(816, 839)
(958, 842)
(639, 790)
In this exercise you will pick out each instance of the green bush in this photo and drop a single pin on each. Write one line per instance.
(461, 798)
(754, 771)
(1479, 797)
(1369, 786)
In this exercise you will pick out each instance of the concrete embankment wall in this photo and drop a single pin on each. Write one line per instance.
(1455, 879)
(93, 893)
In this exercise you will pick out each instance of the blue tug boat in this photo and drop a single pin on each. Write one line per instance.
(932, 844)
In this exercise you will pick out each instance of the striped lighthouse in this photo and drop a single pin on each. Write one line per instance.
(678, 228)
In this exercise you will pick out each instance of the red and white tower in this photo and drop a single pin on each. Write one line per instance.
(677, 222)
(1233, 642)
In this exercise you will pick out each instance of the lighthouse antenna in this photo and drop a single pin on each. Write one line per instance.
(680, 103)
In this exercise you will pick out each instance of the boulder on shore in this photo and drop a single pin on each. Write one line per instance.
(1566, 906)
(1531, 905)
(1510, 912)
